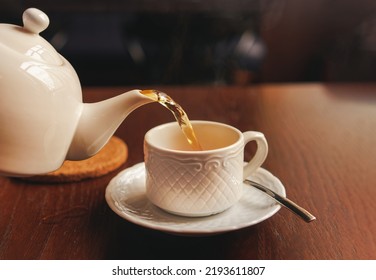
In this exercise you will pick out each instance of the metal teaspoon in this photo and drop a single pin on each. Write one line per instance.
(284, 201)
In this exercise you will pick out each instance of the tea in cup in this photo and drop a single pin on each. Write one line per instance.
(196, 183)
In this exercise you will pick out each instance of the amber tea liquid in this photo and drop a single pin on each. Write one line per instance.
(179, 114)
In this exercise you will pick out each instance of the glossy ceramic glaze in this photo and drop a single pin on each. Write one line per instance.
(126, 196)
(199, 183)
(42, 118)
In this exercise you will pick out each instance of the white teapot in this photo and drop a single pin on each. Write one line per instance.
(43, 120)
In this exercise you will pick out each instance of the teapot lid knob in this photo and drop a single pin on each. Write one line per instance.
(34, 20)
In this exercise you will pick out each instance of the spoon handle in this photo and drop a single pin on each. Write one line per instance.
(292, 206)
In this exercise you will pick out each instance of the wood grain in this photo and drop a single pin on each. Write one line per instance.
(322, 146)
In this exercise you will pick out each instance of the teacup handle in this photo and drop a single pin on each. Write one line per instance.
(261, 152)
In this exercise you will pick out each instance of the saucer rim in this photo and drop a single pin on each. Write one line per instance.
(184, 231)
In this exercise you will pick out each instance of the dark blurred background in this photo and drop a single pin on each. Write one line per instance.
(178, 42)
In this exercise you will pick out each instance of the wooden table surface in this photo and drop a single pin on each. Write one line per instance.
(322, 146)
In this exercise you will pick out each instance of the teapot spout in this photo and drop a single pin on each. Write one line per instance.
(99, 121)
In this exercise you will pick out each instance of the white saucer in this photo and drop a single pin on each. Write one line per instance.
(125, 194)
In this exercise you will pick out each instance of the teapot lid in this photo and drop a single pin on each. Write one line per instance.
(26, 39)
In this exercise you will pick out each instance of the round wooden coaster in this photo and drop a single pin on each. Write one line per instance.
(112, 156)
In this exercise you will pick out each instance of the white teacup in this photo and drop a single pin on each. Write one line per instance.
(199, 183)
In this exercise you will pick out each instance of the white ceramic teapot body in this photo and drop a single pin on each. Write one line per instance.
(42, 118)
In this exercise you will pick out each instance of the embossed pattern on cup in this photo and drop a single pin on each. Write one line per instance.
(195, 185)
